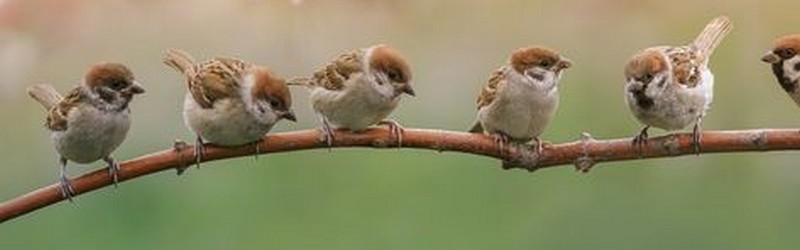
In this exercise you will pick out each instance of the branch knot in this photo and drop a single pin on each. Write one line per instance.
(584, 163)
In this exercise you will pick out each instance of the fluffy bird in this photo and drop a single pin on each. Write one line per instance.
(359, 89)
(230, 102)
(521, 97)
(671, 87)
(92, 120)
(785, 62)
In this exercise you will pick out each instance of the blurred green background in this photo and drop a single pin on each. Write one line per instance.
(401, 199)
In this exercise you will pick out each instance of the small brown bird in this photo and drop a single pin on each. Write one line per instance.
(786, 64)
(230, 102)
(92, 120)
(521, 97)
(359, 89)
(671, 87)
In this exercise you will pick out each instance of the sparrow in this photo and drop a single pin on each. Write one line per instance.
(230, 102)
(92, 120)
(358, 89)
(671, 87)
(786, 64)
(521, 97)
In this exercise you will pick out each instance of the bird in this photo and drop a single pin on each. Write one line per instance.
(785, 62)
(358, 89)
(671, 87)
(92, 120)
(521, 97)
(229, 102)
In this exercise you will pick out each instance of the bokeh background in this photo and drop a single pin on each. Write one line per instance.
(401, 199)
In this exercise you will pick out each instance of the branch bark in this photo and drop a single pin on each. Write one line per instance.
(583, 153)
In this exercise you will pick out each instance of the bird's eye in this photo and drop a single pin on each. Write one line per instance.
(786, 53)
(546, 63)
(274, 103)
(117, 85)
(393, 75)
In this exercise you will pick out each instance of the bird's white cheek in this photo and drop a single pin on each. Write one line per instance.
(553, 76)
(657, 85)
(386, 90)
(265, 114)
(792, 68)
(557, 75)
(269, 118)
(652, 90)
(631, 86)
(539, 78)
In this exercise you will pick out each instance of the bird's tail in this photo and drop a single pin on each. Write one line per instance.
(712, 35)
(180, 61)
(45, 95)
(476, 128)
(300, 81)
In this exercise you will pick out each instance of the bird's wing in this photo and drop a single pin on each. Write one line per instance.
(57, 115)
(334, 75)
(489, 92)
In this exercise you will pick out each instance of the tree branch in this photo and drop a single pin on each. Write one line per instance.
(583, 153)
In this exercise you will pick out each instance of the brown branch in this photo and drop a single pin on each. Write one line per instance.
(583, 153)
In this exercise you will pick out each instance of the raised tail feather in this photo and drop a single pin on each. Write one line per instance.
(45, 95)
(180, 61)
(300, 81)
(712, 35)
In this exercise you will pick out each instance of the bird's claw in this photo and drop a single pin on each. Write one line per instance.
(257, 145)
(501, 140)
(538, 146)
(395, 130)
(640, 140)
(327, 136)
(66, 189)
(199, 151)
(113, 170)
(63, 181)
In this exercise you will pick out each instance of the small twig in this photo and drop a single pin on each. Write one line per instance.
(586, 150)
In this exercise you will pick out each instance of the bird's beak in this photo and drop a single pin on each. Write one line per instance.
(564, 63)
(770, 58)
(407, 89)
(289, 115)
(135, 88)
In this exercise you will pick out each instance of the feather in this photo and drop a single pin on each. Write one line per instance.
(45, 95)
(712, 35)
